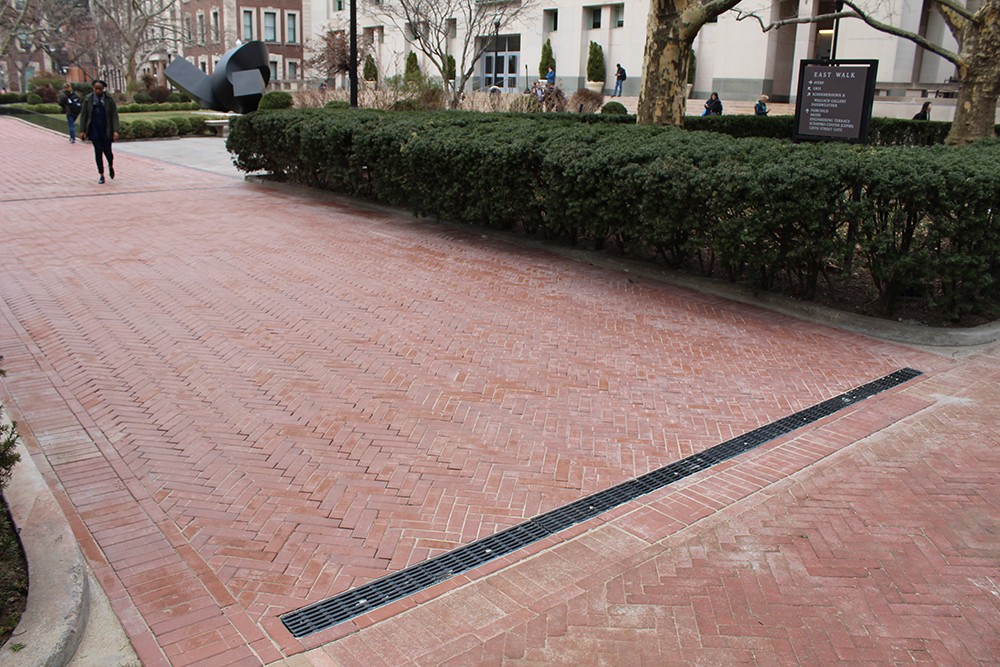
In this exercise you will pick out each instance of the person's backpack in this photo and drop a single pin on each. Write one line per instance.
(624, 75)
(73, 104)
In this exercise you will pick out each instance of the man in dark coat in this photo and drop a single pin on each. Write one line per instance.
(99, 124)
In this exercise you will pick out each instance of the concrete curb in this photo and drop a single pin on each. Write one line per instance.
(58, 600)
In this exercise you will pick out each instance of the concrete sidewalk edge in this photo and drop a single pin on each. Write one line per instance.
(58, 601)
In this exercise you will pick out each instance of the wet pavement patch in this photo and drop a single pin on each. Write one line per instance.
(398, 585)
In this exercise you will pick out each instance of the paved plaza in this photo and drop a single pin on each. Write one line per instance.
(249, 398)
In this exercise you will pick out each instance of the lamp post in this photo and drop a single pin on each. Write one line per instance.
(354, 54)
(836, 30)
(496, 50)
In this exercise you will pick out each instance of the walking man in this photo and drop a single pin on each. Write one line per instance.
(99, 123)
(71, 104)
(620, 77)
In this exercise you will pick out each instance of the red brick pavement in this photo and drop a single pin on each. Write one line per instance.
(247, 400)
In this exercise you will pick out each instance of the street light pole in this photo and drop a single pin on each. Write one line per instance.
(496, 50)
(836, 30)
(354, 54)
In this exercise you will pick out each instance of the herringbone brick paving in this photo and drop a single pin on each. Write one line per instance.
(248, 400)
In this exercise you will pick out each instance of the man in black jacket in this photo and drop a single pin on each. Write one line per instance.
(99, 123)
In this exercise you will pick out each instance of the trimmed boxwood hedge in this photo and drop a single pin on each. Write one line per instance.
(770, 213)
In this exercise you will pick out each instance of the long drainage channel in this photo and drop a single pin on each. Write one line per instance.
(398, 585)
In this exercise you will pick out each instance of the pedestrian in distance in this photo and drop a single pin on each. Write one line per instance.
(713, 106)
(99, 124)
(760, 109)
(924, 113)
(550, 78)
(71, 106)
(620, 77)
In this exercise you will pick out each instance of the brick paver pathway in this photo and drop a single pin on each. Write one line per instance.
(247, 400)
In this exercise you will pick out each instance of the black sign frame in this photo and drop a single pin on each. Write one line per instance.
(802, 103)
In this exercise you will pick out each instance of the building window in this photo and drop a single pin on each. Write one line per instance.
(215, 25)
(339, 5)
(247, 24)
(273, 66)
(291, 28)
(270, 27)
(373, 36)
(187, 29)
(595, 17)
(201, 28)
(452, 28)
(551, 19)
(619, 16)
(293, 70)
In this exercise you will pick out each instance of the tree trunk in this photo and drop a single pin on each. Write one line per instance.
(979, 83)
(669, 35)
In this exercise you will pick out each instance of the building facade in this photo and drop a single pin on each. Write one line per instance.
(734, 58)
(209, 28)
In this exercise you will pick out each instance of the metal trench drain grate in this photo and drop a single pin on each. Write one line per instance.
(398, 585)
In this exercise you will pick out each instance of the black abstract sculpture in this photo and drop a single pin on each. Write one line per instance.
(236, 84)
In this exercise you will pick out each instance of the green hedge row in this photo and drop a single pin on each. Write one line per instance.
(122, 108)
(881, 131)
(773, 214)
(130, 129)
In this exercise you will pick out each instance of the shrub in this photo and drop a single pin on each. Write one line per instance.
(142, 97)
(8, 446)
(164, 127)
(142, 129)
(159, 94)
(548, 60)
(614, 108)
(175, 98)
(450, 68)
(53, 82)
(370, 71)
(526, 104)
(585, 101)
(47, 93)
(405, 104)
(595, 63)
(13, 98)
(197, 124)
(337, 104)
(275, 99)
(182, 124)
(412, 74)
(34, 98)
(45, 108)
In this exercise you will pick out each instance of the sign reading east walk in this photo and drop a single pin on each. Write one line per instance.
(834, 101)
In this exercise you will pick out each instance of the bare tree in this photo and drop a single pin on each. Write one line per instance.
(331, 54)
(670, 32)
(977, 58)
(12, 17)
(461, 29)
(33, 27)
(127, 32)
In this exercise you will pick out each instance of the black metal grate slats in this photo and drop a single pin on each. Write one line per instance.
(398, 585)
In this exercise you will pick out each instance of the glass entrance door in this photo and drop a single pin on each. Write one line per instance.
(500, 64)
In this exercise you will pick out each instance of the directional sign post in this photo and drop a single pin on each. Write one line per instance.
(835, 99)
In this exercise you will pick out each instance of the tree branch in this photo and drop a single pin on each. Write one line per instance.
(857, 13)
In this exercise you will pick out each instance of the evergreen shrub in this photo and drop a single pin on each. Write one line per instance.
(276, 99)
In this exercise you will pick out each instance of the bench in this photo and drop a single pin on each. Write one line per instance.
(218, 125)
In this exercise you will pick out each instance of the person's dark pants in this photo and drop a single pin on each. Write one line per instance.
(102, 149)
